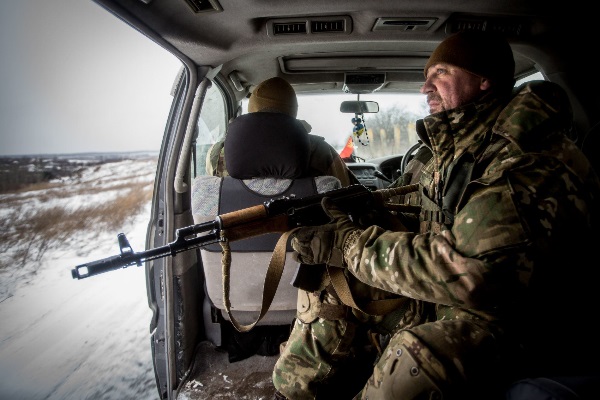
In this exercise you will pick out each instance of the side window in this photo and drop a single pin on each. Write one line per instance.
(210, 128)
(532, 77)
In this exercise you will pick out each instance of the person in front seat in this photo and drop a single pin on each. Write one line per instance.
(277, 95)
(493, 295)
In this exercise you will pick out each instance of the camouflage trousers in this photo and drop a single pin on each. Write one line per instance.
(332, 354)
(318, 351)
(443, 358)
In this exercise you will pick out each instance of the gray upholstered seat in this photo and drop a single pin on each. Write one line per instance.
(248, 269)
(267, 156)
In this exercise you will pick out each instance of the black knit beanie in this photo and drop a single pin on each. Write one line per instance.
(483, 54)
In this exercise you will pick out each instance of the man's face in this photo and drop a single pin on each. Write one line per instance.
(448, 87)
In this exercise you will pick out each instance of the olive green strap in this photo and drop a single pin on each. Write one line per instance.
(272, 278)
(374, 307)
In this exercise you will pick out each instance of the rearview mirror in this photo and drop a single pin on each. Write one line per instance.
(359, 107)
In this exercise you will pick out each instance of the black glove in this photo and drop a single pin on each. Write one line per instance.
(324, 244)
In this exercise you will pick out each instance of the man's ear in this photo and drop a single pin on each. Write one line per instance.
(485, 84)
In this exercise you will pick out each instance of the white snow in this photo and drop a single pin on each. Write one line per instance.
(62, 338)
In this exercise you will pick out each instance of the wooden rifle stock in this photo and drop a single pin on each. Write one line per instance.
(277, 215)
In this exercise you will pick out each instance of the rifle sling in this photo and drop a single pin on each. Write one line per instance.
(273, 277)
(374, 307)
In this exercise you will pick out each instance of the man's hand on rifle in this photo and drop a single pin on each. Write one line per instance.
(325, 244)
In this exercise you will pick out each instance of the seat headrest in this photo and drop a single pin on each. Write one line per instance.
(264, 144)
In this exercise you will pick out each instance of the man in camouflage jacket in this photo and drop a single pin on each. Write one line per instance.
(502, 270)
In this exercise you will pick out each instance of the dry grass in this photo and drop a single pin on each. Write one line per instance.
(38, 186)
(28, 232)
(68, 214)
(112, 215)
(43, 228)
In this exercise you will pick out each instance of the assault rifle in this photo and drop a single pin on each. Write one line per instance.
(276, 215)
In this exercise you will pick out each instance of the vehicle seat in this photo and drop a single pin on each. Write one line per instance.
(250, 257)
(267, 157)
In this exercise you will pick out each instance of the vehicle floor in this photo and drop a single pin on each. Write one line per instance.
(215, 377)
(242, 368)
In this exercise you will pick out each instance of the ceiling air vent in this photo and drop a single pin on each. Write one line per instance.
(202, 6)
(289, 28)
(315, 25)
(327, 26)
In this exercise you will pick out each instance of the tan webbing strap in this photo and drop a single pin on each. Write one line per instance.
(386, 194)
(272, 278)
(338, 279)
(374, 307)
(384, 197)
(333, 312)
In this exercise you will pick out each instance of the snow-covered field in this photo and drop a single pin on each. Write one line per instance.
(62, 338)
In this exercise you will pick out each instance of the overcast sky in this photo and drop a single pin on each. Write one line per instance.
(74, 78)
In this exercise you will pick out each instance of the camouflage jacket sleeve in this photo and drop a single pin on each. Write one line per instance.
(531, 204)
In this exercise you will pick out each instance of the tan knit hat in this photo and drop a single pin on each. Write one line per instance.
(274, 95)
(481, 53)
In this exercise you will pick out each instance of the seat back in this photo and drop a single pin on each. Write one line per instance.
(266, 156)
(264, 144)
(250, 257)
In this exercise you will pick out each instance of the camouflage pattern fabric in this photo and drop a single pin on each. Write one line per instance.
(502, 269)
(313, 353)
(325, 356)
(320, 351)
(509, 281)
(431, 360)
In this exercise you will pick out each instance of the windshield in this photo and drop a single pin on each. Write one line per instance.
(389, 131)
